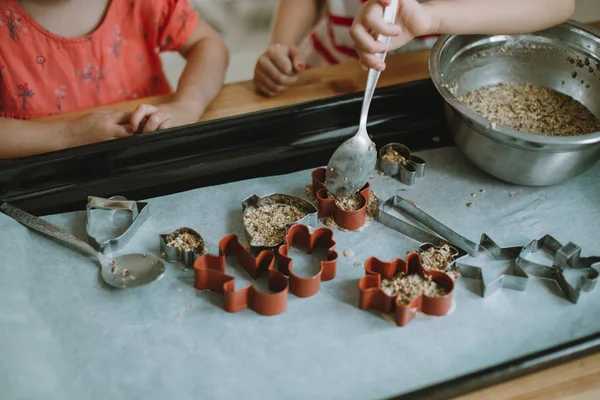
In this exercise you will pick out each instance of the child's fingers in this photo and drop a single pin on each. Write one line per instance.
(371, 61)
(364, 41)
(373, 19)
(279, 57)
(165, 125)
(298, 59)
(267, 85)
(141, 112)
(155, 120)
(269, 69)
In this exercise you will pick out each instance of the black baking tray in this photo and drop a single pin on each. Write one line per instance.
(277, 141)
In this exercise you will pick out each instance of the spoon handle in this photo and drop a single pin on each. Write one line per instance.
(48, 229)
(389, 16)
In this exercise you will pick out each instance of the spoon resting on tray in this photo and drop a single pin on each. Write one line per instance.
(352, 164)
(126, 271)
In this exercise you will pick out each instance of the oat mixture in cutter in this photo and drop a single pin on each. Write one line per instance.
(393, 157)
(411, 286)
(533, 109)
(185, 241)
(267, 223)
(352, 203)
(440, 260)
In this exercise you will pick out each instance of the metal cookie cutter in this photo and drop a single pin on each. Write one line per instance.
(511, 277)
(309, 219)
(406, 169)
(299, 235)
(372, 296)
(209, 273)
(563, 258)
(175, 253)
(140, 211)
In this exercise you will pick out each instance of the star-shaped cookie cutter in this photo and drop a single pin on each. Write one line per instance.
(300, 235)
(563, 258)
(311, 218)
(209, 273)
(372, 295)
(511, 277)
(407, 170)
(140, 211)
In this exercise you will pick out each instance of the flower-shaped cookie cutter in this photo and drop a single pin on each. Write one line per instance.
(140, 211)
(309, 219)
(372, 295)
(407, 169)
(174, 253)
(209, 273)
(299, 235)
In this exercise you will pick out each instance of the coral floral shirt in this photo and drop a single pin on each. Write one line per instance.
(42, 73)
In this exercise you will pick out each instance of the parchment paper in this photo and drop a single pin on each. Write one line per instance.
(65, 336)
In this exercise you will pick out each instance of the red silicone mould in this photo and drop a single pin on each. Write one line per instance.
(372, 297)
(299, 235)
(209, 273)
(349, 220)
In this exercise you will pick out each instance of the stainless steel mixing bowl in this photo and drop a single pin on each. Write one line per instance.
(459, 64)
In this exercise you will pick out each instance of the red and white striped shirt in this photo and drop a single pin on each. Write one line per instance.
(330, 42)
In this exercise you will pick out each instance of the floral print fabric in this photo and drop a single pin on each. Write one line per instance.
(42, 73)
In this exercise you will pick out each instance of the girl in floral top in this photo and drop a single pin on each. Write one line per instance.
(313, 33)
(67, 55)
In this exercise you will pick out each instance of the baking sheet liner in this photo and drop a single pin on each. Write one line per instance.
(79, 340)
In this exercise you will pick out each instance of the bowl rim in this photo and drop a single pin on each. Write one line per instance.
(451, 100)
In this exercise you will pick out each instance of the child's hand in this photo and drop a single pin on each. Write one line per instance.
(277, 69)
(99, 126)
(148, 118)
(413, 19)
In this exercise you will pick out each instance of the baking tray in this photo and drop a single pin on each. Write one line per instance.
(281, 140)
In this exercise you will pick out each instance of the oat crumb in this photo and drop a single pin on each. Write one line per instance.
(348, 253)
(469, 204)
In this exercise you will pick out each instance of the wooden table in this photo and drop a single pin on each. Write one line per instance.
(579, 379)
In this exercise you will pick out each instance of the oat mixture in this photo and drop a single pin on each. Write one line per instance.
(352, 203)
(185, 241)
(411, 286)
(393, 157)
(533, 109)
(440, 260)
(267, 224)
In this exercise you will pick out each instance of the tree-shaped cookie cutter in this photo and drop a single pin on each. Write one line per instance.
(372, 295)
(300, 235)
(407, 170)
(310, 219)
(209, 273)
(140, 211)
(349, 220)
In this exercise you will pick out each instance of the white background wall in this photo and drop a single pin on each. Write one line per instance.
(244, 25)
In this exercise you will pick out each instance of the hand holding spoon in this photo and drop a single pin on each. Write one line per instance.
(126, 271)
(354, 161)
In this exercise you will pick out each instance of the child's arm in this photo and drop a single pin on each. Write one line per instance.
(453, 17)
(278, 67)
(26, 138)
(207, 60)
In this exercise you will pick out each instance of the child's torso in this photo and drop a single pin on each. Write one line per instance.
(43, 73)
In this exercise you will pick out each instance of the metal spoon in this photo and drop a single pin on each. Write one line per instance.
(354, 161)
(126, 271)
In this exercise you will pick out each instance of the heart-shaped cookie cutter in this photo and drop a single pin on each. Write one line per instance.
(310, 219)
(140, 211)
